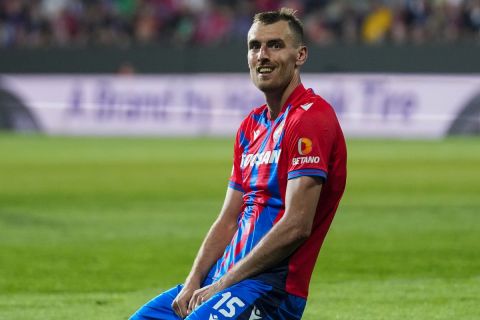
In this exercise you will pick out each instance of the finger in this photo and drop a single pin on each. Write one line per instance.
(198, 303)
(183, 311)
(191, 303)
(177, 307)
(197, 300)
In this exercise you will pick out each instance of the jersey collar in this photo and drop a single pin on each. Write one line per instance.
(296, 94)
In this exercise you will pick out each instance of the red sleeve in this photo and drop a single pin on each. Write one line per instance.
(309, 141)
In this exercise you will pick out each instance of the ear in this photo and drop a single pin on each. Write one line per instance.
(302, 56)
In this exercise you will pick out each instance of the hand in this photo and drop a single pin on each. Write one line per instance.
(203, 294)
(181, 302)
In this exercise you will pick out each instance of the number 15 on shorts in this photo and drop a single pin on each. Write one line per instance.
(227, 305)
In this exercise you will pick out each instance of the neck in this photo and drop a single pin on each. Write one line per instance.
(276, 99)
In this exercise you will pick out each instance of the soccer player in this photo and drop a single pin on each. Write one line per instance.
(289, 173)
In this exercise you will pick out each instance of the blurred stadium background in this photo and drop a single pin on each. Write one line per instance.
(117, 121)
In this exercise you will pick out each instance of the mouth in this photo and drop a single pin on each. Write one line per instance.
(265, 69)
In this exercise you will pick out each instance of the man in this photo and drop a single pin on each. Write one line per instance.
(288, 176)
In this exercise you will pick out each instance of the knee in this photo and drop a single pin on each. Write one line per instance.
(159, 307)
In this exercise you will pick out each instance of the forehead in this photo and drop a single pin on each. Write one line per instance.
(264, 32)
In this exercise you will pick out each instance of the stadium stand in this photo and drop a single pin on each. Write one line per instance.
(54, 23)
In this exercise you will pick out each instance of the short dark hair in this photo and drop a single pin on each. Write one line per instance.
(284, 14)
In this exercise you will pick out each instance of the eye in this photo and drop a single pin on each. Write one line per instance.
(254, 45)
(275, 44)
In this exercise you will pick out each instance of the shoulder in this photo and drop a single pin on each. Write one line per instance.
(312, 109)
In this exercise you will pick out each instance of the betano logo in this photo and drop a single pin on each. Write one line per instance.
(255, 159)
(304, 146)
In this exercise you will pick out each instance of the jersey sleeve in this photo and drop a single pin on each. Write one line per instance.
(235, 181)
(309, 142)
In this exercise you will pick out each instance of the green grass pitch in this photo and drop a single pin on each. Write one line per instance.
(91, 228)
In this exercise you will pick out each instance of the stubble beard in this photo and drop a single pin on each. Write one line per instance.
(269, 86)
(273, 86)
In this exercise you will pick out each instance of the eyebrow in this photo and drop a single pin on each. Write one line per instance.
(275, 41)
(269, 41)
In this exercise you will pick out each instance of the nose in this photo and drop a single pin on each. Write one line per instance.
(263, 54)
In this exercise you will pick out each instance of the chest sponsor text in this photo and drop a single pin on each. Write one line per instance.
(256, 159)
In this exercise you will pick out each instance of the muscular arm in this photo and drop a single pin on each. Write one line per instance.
(213, 246)
(287, 235)
(281, 241)
(218, 237)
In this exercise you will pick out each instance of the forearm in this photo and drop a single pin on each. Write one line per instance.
(218, 237)
(210, 251)
(277, 245)
(286, 236)
(293, 229)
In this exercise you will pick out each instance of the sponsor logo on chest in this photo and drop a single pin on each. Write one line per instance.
(260, 158)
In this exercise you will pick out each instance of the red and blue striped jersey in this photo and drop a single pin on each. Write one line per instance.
(304, 140)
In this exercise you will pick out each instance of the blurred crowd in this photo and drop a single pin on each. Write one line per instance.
(45, 23)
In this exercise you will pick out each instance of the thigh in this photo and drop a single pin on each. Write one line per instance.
(250, 299)
(159, 307)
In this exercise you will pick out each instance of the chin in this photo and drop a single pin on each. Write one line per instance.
(266, 87)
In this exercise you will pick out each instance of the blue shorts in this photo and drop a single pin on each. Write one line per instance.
(248, 299)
